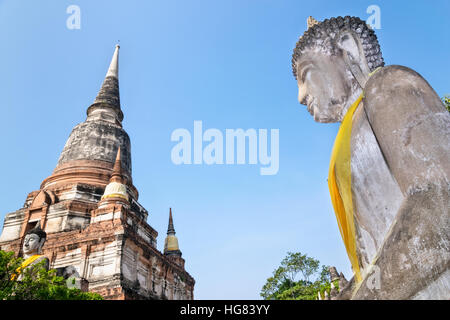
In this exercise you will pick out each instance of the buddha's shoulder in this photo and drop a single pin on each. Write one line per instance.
(391, 78)
(394, 95)
(41, 258)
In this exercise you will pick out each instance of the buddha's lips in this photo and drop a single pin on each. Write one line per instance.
(311, 104)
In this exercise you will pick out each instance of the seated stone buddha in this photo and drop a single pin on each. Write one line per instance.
(32, 248)
(390, 164)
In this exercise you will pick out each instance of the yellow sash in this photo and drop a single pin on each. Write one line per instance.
(25, 264)
(340, 182)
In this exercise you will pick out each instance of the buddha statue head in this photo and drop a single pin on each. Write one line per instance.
(34, 241)
(332, 62)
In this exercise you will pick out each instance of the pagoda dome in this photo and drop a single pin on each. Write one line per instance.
(116, 190)
(171, 243)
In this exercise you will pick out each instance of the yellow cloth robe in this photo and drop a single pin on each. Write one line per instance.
(25, 264)
(339, 183)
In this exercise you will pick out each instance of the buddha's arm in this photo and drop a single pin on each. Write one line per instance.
(411, 125)
(414, 260)
(412, 128)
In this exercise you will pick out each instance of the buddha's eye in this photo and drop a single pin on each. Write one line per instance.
(304, 73)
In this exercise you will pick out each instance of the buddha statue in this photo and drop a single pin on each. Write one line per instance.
(32, 248)
(389, 169)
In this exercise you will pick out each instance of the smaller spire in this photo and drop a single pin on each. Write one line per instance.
(117, 175)
(116, 187)
(170, 229)
(171, 244)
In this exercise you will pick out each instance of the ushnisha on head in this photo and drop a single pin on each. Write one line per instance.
(34, 241)
(332, 62)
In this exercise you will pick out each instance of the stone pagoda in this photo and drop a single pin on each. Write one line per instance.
(90, 211)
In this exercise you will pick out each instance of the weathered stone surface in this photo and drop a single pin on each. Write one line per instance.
(412, 126)
(415, 256)
(12, 225)
(113, 250)
(109, 93)
(97, 141)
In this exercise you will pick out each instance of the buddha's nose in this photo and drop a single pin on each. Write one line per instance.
(301, 95)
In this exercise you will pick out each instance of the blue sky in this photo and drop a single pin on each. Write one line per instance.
(227, 63)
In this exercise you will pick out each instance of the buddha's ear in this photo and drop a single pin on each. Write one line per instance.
(353, 55)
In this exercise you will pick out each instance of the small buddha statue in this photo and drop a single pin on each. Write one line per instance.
(32, 251)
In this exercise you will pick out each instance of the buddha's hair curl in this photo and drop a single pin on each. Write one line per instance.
(323, 33)
(38, 231)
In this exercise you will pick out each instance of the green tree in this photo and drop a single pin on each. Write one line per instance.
(36, 283)
(446, 101)
(297, 278)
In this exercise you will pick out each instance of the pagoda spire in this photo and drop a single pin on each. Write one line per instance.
(91, 149)
(108, 97)
(171, 244)
(113, 70)
(170, 229)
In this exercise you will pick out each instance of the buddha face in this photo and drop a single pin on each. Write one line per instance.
(325, 85)
(31, 244)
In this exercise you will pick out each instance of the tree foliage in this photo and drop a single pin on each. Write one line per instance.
(446, 101)
(297, 278)
(36, 283)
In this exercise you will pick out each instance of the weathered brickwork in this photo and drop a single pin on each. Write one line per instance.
(104, 237)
